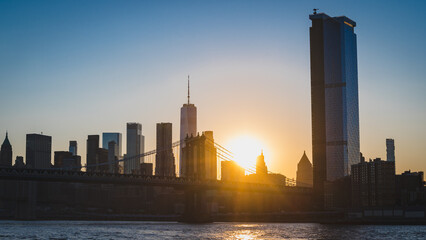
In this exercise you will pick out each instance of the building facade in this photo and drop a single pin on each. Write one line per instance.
(135, 147)
(390, 149)
(304, 174)
(164, 158)
(113, 157)
(115, 137)
(92, 153)
(410, 189)
(373, 184)
(38, 151)
(6, 153)
(73, 148)
(188, 127)
(334, 99)
(199, 157)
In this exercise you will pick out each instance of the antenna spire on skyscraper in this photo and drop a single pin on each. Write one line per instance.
(188, 89)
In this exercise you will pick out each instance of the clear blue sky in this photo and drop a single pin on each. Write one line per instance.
(73, 68)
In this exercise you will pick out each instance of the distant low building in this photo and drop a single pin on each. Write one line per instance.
(373, 183)
(67, 161)
(410, 189)
(19, 162)
(304, 172)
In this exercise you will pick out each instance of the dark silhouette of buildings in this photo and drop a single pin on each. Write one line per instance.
(58, 158)
(390, 149)
(39, 151)
(135, 147)
(113, 166)
(304, 172)
(146, 169)
(164, 158)
(66, 160)
(6, 153)
(73, 147)
(97, 158)
(261, 165)
(188, 127)
(102, 156)
(199, 157)
(410, 189)
(231, 171)
(92, 158)
(373, 184)
(117, 138)
(263, 176)
(19, 162)
(334, 99)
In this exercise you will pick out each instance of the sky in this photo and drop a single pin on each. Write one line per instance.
(74, 68)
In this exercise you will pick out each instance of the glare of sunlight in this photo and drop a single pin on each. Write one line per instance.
(246, 149)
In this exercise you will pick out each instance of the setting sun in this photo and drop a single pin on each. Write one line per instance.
(246, 149)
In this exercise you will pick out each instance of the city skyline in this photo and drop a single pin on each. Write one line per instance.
(247, 105)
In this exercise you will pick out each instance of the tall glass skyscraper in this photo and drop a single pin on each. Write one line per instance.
(334, 96)
(135, 147)
(188, 127)
(115, 137)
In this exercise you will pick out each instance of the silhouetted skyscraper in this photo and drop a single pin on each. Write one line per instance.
(39, 151)
(164, 159)
(73, 148)
(6, 153)
(116, 137)
(135, 147)
(304, 172)
(334, 98)
(390, 150)
(188, 126)
(112, 157)
(261, 165)
(92, 153)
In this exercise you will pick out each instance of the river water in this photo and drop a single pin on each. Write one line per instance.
(171, 230)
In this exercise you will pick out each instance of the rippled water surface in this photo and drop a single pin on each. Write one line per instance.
(166, 230)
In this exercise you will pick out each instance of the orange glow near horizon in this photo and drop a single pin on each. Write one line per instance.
(246, 148)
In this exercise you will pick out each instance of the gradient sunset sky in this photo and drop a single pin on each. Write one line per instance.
(74, 68)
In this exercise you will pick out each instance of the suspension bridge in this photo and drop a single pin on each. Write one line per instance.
(222, 155)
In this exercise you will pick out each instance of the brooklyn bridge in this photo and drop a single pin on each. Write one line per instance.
(96, 190)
